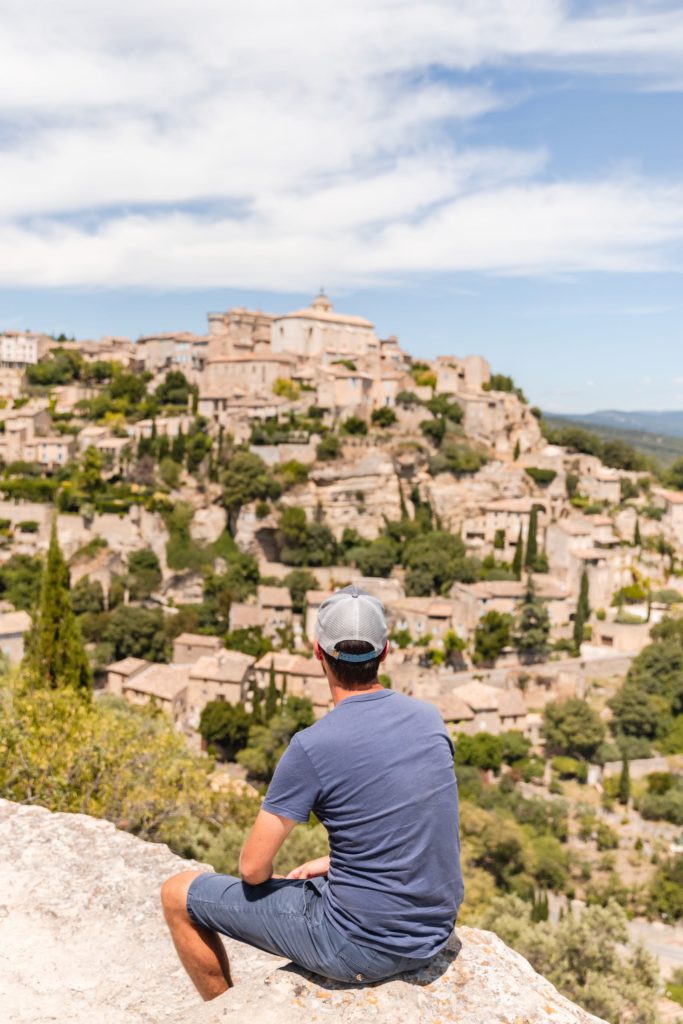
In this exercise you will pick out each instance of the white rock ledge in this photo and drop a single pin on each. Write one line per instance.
(82, 939)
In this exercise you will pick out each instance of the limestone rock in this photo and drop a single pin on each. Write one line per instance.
(82, 939)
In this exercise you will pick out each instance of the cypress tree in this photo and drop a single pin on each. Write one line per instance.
(582, 612)
(271, 693)
(256, 705)
(518, 559)
(517, 450)
(55, 655)
(532, 539)
(637, 542)
(624, 783)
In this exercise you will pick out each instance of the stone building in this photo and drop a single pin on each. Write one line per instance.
(477, 707)
(319, 332)
(474, 600)
(345, 392)
(251, 374)
(455, 376)
(672, 503)
(238, 332)
(190, 647)
(13, 628)
(275, 604)
(297, 676)
(19, 349)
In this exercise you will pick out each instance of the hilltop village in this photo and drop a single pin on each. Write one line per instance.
(226, 483)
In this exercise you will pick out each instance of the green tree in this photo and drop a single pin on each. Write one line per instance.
(271, 702)
(137, 633)
(492, 635)
(87, 596)
(246, 479)
(533, 626)
(303, 543)
(532, 539)
(174, 389)
(328, 448)
(383, 417)
(624, 783)
(299, 582)
(55, 653)
(267, 743)
(518, 559)
(586, 956)
(354, 425)
(572, 727)
(434, 561)
(144, 573)
(226, 725)
(582, 612)
(637, 542)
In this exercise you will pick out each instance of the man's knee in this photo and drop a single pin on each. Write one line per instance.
(174, 892)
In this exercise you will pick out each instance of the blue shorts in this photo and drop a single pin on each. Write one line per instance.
(285, 917)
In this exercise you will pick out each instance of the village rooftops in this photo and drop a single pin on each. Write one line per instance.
(246, 616)
(290, 664)
(672, 497)
(161, 681)
(481, 697)
(211, 643)
(256, 357)
(225, 667)
(321, 309)
(128, 666)
(452, 708)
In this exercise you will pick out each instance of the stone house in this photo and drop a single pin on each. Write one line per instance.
(505, 516)
(473, 600)
(275, 604)
(246, 616)
(239, 331)
(319, 332)
(21, 427)
(51, 452)
(162, 352)
(421, 616)
(344, 392)
(224, 676)
(19, 349)
(493, 710)
(672, 503)
(190, 647)
(157, 684)
(601, 485)
(251, 374)
(296, 675)
(119, 673)
(13, 628)
(626, 638)
(456, 376)
(162, 426)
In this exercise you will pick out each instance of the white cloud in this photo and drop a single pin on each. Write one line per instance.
(270, 145)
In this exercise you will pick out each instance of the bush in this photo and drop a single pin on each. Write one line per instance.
(383, 417)
(328, 448)
(354, 426)
(458, 459)
(542, 477)
(28, 526)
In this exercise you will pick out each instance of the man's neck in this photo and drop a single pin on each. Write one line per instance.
(339, 693)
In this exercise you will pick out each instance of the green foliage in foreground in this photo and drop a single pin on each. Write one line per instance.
(582, 955)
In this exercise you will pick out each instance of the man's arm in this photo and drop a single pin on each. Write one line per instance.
(267, 835)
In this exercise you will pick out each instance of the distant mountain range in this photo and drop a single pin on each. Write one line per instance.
(656, 434)
(669, 422)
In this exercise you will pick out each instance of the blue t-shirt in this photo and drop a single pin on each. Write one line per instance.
(377, 771)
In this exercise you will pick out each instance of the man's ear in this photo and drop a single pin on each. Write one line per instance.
(385, 652)
(317, 651)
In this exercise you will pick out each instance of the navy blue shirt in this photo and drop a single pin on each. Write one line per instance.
(377, 771)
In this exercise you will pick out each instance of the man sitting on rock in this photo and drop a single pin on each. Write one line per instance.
(377, 771)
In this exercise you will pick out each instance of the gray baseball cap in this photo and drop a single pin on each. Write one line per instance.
(351, 614)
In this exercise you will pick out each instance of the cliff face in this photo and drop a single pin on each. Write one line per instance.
(82, 939)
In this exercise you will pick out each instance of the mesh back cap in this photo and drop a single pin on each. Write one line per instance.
(351, 614)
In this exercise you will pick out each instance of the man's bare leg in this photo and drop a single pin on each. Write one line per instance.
(201, 951)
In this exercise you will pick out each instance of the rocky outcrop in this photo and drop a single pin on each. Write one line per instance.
(82, 939)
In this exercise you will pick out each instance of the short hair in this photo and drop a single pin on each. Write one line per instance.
(353, 674)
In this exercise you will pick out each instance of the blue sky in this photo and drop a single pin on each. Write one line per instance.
(494, 176)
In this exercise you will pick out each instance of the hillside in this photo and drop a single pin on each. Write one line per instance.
(666, 421)
(664, 447)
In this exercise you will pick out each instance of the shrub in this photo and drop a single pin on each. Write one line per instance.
(542, 477)
(383, 417)
(328, 448)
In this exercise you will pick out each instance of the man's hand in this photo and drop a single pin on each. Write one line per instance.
(312, 868)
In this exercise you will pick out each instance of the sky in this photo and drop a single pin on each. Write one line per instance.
(502, 177)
